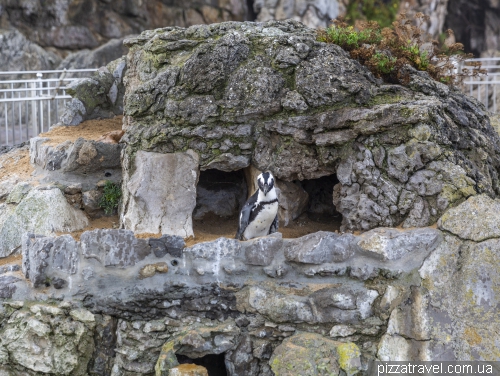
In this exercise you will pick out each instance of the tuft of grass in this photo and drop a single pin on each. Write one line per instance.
(386, 50)
(110, 198)
(382, 11)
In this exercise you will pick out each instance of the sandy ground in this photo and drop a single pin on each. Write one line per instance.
(89, 130)
(16, 162)
(12, 259)
(95, 224)
(213, 227)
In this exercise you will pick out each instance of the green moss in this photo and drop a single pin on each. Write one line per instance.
(384, 99)
(166, 360)
(384, 12)
(405, 112)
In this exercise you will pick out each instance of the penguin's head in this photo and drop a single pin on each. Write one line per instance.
(266, 182)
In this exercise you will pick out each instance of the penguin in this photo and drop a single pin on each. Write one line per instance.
(259, 215)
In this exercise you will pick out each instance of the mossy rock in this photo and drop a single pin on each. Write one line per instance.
(310, 354)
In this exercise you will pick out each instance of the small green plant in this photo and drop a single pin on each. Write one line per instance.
(110, 197)
(385, 51)
(383, 63)
(383, 12)
(349, 38)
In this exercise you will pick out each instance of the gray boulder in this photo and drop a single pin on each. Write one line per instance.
(476, 219)
(18, 53)
(312, 13)
(81, 157)
(114, 247)
(96, 58)
(161, 193)
(393, 244)
(99, 96)
(321, 247)
(41, 212)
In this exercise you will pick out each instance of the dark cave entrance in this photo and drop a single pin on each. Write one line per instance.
(321, 207)
(214, 364)
(251, 15)
(320, 212)
(305, 206)
(219, 198)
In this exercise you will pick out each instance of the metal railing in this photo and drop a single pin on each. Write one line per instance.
(486, 89)
(32, 101)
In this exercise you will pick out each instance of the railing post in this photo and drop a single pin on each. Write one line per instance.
(34, 120)
(40, 86)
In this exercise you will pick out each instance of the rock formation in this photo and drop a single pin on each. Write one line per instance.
(271, 96)
(140, 300)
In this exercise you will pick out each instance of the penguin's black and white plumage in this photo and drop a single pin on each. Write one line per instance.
(259, 216)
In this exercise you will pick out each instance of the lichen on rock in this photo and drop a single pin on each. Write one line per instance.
(269, 95)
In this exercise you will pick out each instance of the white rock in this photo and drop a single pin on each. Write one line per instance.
(342, 331)
(42, 212)
(393, 348)
(82, 315)
(162, 193)
(390, 294)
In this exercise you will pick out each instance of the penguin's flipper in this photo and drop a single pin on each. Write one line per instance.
(274, 226)
(244, 219)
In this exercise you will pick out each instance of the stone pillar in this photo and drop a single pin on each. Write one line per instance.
(162, 193)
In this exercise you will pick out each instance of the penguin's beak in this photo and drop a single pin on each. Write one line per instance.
(266, 188)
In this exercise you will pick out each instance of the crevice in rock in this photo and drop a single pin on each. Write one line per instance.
(214, 363)
(321, 207)
(250, 13)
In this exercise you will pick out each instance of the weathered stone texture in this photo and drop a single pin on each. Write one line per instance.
(476, 219)
(162, 193)
(390, 294)
(311, 354)
(270, 95)
(46, 339)
(42, 212)
(99, 96)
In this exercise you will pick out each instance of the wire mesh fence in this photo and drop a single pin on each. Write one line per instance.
(32, 101)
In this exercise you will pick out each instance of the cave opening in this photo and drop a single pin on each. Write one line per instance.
(320, 191)
(320, 212)
(214, 363)
(305, 206)
(220, 196)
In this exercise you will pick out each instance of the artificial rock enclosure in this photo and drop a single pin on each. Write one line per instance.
(412, 173)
